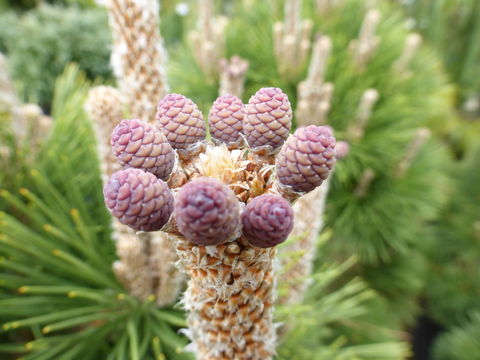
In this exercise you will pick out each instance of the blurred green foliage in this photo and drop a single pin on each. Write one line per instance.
(461, 342)
(453, 28)
(66, 300)
(59, 298)
(24, 5)
(454, 277)
(14, 157)
(325, 325)
(40, 42)
(386, 227)
(406, 103)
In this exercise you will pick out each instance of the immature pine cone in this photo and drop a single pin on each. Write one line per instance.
(267, 220)
(341, 150)
(207, 211)
(138, 199)
(268, 119)
(306, 158)
(136, 144)
(180, 120)
(226, 119)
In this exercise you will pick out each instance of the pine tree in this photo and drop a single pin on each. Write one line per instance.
(378, 89)
(73, 288)
(460, 342)
(453, 277)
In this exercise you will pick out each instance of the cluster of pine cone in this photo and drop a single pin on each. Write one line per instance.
(205, 210)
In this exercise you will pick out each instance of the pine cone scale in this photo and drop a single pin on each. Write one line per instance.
(180, 120)
(138, 199)
(138, 145)
(268, 119)
(226, 119)
(306, 158)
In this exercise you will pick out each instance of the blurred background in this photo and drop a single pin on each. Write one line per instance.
(396, 273)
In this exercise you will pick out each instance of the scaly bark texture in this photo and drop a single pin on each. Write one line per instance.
(228, 217)
(230, 293)
(138, 56)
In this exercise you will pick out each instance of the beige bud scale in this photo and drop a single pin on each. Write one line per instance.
(26, 121)
(231, 290)
(138, 55)
(232, 76)
(298, 256)
(142, 271)
(208, 39)
(412, 44)
(139, 62)
(412, 151)
(8, 96)
(314, 94)
(132, 268)
(365, 109)
(104, 108)
(364, 47)
(292, 39)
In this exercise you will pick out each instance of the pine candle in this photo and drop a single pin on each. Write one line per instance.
(226, 206)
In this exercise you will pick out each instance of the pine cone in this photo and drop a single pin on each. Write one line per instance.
(267, 220)
(207, 212)
(341, 150)
(138, 199)
(180, 120)
(226, 119)
(136, 144)
(268, 119)
(306, 158)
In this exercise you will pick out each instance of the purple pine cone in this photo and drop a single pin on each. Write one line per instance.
(267, 220)
(306, 158)
(226, 119)
(207, 211)
(268, 118)
(180, 120)
(136, 144)
(138, 199)
(341, 150)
